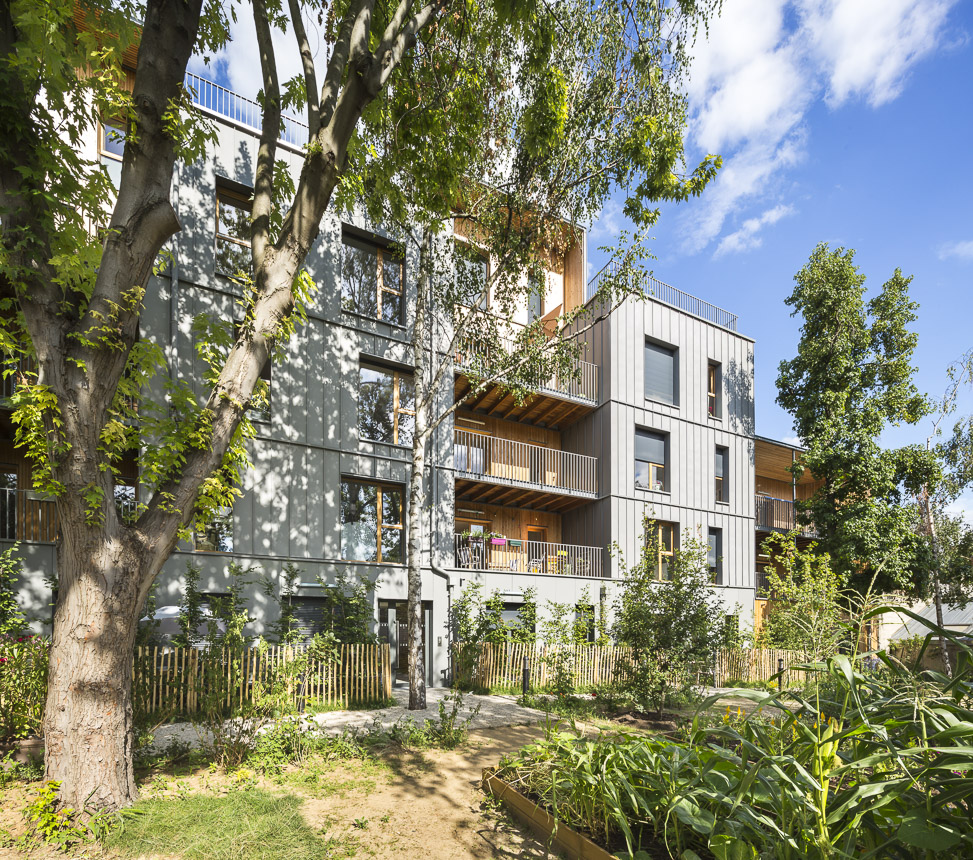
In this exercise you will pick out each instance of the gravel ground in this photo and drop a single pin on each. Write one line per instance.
(495, 712)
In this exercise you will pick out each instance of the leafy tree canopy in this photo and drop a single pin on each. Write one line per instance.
(851, 378)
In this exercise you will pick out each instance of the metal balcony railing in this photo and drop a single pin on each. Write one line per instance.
(503, 461)
(473, 552)
(583, 385)
(227, 104)
(779, 515)
(673, 297)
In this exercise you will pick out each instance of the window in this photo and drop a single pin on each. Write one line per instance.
(714, 556)
(217, 534)
(662, 536)
(722, 461)
(535, 299)
(371, 280)
(371, 522)
(111, 148)
(660, 372)
(650, 460)
(126, 500)
(386, 406)
(714, 382)
(8, 502)
(584, 622)
(232, 233)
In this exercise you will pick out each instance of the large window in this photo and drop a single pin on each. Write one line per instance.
(722, 473)
(650, 460)
(714, 383)
(386, 406)
(472, 276)
(663, 537)
(714, 556)
(660, 372)
(372, 277)
(371, 522)
(217, 534)
(232, 233)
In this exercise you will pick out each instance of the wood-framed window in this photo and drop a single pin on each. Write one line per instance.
(714, 556)
(386, 405)
(721, 469)
(217, 534)
(233, 231)
(713, 385)
(111, 139)
(372, 279)
(650, 460)
(663, 537)
(660, 372)
(372, 522)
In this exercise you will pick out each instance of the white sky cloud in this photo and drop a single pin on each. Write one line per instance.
(763, 66)
(793, 440)
(748, 236)
(962, 250)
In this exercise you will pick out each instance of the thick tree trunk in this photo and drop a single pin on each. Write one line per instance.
(417, 673)
(88, 729)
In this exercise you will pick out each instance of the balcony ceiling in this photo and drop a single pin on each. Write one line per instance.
(541, 410)
(518, 496)
(772, 460)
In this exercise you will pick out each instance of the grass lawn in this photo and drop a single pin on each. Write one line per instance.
(253, 824)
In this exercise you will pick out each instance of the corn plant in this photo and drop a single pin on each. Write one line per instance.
(870, 763)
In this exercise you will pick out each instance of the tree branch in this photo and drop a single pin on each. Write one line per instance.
(263, 184)
(310, 76)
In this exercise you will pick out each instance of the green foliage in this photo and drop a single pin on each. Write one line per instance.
(673, 627)
(879, 767)
(853, 377)
(23, 685)
(349, 605)
(191, 608)
(284, 629)
(557, 631)
(13, 622)
(450, 730)
(61, 826)
(806, 611)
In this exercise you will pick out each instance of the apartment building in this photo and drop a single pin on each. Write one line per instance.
(658, 422)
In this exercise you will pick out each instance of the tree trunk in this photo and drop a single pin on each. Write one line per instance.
(936, 588)
(423, 405)
(88, 730)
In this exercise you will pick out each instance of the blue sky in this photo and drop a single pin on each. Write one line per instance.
(845, 121)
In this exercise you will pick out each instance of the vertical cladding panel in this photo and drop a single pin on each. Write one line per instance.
(329, 534)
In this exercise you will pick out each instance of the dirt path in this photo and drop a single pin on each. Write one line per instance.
(432, 808)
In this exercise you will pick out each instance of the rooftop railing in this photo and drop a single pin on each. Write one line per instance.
(503, 461)
(669, 295)
(479, 552)
(227, 104)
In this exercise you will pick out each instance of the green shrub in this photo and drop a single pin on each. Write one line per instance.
(23, 685)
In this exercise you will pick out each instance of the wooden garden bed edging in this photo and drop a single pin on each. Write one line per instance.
(574, 845)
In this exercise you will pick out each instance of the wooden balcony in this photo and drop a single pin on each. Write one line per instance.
(492, 470)
(24, 517)
(475, 552)
(778, 515)
(556, 401)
